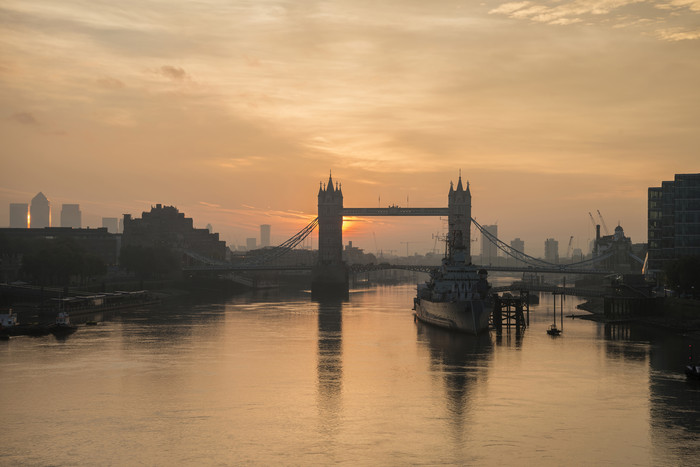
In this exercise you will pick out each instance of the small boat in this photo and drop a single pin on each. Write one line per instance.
(62, 326)
(553, 330)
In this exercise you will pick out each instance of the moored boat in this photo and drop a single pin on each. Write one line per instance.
(457, 295)
(62, 326)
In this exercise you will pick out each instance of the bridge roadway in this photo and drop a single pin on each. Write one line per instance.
(395, 211)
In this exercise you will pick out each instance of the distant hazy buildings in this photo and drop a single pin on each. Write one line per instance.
(251, 243)
(551, 250)
(40, 212)
(264, 235)
(489, 252)
(518, 244)
(71, 216)
(111, 224)
(19, 215)
(620, 255)
(673, 220)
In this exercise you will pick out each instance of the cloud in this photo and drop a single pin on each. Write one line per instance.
(110, 83)
(675, 35)
(173, 72)
(238, 162)
(25, 118)
(616, 13)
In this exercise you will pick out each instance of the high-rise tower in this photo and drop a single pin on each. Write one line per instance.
(71, 216)
(40, 212)
(19, 213)
(265, 235)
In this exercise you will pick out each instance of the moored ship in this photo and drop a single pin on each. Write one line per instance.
(456, 296)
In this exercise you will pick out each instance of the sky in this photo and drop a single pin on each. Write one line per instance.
(235, 111)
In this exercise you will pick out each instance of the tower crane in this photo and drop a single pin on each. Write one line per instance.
(592, 220)
(568, 249)
(602, 221)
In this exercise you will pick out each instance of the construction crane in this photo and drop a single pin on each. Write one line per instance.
(592, 220)
(407, 243)
(602, 221)
(568, 249)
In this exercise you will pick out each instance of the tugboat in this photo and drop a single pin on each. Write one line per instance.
(62, 326)
(456, 296)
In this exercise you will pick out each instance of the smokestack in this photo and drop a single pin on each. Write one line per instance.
(597, 239)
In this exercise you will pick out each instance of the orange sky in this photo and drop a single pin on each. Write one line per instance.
(234, 111)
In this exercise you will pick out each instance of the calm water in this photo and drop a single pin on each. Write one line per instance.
(275, 379)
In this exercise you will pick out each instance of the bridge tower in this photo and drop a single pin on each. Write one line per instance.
(459, 208)
(330, 274)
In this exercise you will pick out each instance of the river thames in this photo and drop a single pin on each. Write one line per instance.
(279, 379)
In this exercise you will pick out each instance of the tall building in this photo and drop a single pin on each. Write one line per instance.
(518, 244)
(251, 243)
(489, 251)
(551, 250)
(673, 220)
(265, 235)
(71, 216)
(40, 212)
(111, 224)
(19, 215)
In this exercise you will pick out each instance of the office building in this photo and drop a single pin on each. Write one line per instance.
(489, 250)
(251, 243)
(71, 216)
(19, 215)
(551, 251)
(111, 224)
(40, 212)
(673, 221)
(264, 235)
(518, 244)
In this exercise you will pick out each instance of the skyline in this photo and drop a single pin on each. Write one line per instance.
(233, 112)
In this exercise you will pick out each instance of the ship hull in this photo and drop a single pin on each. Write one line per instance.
(470, 316)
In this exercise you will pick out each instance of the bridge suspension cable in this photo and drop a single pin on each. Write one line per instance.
(284, 247)
(530, 260)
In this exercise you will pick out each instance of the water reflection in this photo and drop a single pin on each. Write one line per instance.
(462, 360)
(330, 363)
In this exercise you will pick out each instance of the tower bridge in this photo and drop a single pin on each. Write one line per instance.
(331, 275)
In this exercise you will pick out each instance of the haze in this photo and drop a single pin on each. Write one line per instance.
(234, 111)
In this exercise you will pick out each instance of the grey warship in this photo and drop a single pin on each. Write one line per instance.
(456, 296)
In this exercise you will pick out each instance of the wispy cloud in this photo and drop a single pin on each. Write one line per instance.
(173, 72)
(25, 118)
(616, 13)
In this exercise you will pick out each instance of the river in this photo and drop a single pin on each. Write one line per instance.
(278, 379)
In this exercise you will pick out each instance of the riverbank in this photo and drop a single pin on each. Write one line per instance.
(680, 315)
